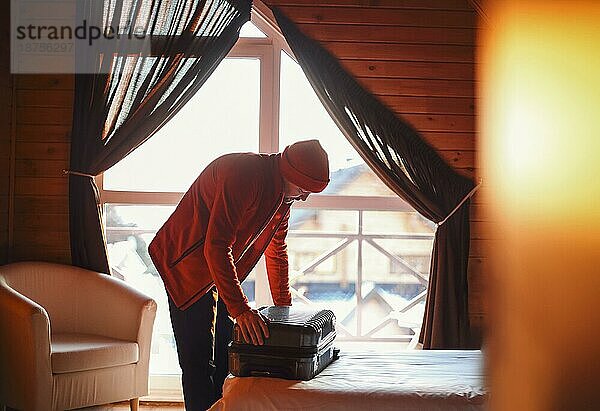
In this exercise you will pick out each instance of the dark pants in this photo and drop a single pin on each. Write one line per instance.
(202, 333)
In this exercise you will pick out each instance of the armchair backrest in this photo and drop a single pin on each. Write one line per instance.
(64, 291)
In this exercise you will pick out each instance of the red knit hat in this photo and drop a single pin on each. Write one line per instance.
(306, 165)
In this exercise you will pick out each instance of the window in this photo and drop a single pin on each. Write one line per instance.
(355, 248)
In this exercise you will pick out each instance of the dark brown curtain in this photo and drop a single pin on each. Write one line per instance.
(116, 112)
(412, 169)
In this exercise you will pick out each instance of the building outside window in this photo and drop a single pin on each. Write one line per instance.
(355, 248)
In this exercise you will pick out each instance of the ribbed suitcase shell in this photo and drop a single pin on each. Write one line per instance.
(300, 345)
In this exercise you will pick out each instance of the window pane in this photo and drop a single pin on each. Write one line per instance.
(332, 221)
(390, 284)
(395, 250)
(331, 285)
(250, 30)
(386, 222)
(303, 116)
(222, 117)
(129, 230)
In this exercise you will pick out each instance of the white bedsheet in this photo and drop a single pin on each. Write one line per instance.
(369, 380)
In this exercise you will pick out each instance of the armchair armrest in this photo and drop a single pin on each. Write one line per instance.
(108, 306)
(24, 351)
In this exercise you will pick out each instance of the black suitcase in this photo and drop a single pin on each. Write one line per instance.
(300, 345)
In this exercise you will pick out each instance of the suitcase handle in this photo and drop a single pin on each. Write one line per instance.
(270, 372)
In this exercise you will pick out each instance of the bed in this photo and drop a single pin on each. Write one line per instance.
(370, 380)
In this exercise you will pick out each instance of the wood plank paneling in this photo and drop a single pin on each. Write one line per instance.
(5, 132)
(41, 168)
(3, 204)
(37, 98)
(4, 184)
(38, 207)
(482, 196)
(459, 159)
(41, 186)
(441, 122)
(464, 5)
(45, 82)
(4, 239)
(401, 52)
(479, 247)
(44, 105)
(44, 115)
(4, 151)
(376, 17)
(44, 133)
(391, 34)
(29, 239)
(42, 204)
(41, 222)
(410, 69)
(481, 230)
(418, 87)
(478, 212)
(449, 141)
(42, 253)
(43, 151)
(429, 105)
(5, 119)
(476, 274)
(5, 100)
(468, 172)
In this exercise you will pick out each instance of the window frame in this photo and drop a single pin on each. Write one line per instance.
(268, 51)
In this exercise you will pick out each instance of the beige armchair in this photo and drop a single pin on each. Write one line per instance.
(71, 338)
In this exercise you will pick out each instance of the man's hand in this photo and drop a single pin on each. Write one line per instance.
(253, 327)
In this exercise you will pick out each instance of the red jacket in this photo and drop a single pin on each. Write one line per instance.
(230, 215)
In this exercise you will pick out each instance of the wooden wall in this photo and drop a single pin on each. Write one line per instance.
(44, 105)
(5, 123)
(418, 57)
(34, 149)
